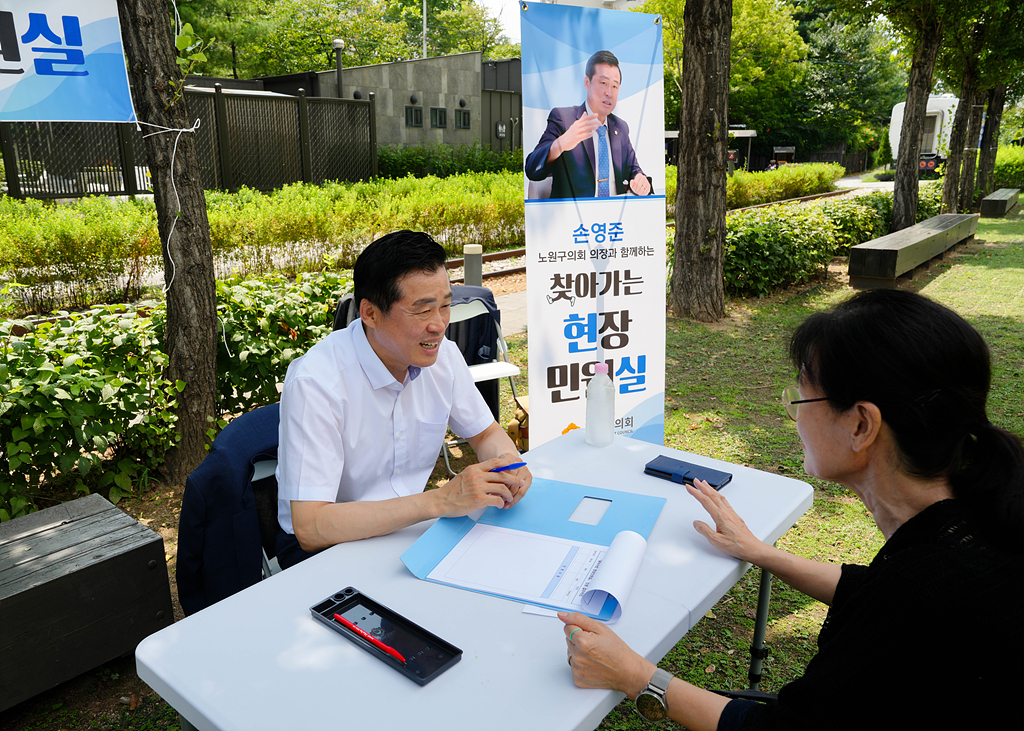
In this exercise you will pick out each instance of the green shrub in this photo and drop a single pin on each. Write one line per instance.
(1009, 170)
(397, 161)
(766, 248)
(852, 222)
(929, 199)
(745, 189)
(82, 403)
(75, 255)
(97, 250)
(265, 325)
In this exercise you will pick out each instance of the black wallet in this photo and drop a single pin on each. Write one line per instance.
(685, 472)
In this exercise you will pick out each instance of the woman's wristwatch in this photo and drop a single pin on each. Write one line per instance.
(651, 702)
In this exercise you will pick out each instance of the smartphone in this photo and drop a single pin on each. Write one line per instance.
(426, 655)
(682, 472)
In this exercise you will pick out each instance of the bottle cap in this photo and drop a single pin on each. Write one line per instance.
(600, 368)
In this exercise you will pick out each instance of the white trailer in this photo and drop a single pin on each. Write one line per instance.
(938, 124)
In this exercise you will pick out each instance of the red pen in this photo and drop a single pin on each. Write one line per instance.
(371, 639)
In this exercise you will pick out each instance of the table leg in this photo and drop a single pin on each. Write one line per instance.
(185, 725)
(757, 648)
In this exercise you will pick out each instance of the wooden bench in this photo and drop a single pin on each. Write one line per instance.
(877, 263)
(80, 584)
(1000, 202)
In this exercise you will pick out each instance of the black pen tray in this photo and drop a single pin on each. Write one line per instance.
(426, 654)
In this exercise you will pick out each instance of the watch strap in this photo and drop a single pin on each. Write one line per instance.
(660, 681)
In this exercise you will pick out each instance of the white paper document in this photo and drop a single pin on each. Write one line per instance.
(551, 572)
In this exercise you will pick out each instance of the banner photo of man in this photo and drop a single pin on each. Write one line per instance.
(62, 61)
(594, 185)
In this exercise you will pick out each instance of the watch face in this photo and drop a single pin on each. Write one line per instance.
(651, 706)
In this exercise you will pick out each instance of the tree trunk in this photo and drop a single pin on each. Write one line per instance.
(190, 337)
(970, 167)
(697, 286)
(990, 139)
(919, 86)
(950, 183)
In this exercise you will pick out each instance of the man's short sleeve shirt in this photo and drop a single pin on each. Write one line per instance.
(350, 431)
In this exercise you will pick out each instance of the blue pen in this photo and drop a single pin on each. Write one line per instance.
(513, 466)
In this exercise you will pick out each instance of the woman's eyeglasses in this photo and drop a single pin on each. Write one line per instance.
(791, 399)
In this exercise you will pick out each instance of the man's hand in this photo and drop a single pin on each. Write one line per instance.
(477, 487)
(579, 131)
(524, 475)
(640, 184)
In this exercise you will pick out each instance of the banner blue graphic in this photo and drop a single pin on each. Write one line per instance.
(62, 61)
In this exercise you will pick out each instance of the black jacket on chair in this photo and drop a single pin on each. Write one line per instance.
(219, 545)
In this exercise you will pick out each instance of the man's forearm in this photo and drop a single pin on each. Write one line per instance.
(555, 150)
(492, 442)
(320, 525)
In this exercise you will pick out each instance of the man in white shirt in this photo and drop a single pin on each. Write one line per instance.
(365, 411)
(585, 150)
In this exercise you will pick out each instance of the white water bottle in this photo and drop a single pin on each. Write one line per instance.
(600, 407)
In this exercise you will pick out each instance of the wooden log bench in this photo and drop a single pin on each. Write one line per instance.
(1000, 202)
(877, 263)
(80, 584)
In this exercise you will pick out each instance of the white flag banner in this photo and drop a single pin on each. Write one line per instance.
(62, 61)
(595, 215)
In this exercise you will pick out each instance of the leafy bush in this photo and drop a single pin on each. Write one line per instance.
(397, 161)
(929, 200)
(83, 403)
(1009, 170)
(766, 248)
(853, 221)
(266, 324)
(97, 250)
(76, 255)
(745, 189)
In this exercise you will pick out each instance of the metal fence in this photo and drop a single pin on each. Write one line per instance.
(256, 140)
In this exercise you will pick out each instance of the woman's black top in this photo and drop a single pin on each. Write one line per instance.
(929, 636)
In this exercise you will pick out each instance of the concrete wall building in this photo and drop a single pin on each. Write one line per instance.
(418, 102)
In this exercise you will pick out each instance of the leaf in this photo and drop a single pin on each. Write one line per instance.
(115, 495)
(179, 385)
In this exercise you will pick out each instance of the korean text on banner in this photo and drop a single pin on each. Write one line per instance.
(62, 61)
(593, 132)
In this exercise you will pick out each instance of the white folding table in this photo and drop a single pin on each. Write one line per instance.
(257, 660)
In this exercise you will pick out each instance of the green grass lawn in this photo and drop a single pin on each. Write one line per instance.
(723, 384)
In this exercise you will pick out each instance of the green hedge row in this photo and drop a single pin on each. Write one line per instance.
(745, 189)
(772, 247)
(1009, 170)
(97, 249)
(398, 161)
(84, 406)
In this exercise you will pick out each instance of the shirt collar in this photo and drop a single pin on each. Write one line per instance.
(586, 105)
(374, 368)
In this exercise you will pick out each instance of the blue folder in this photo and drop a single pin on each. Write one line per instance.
(544, 511)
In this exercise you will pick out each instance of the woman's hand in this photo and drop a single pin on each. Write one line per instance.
(600, 659)
(730, 533)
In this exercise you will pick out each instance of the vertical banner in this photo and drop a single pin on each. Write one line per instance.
(62, 61)
(593, 135)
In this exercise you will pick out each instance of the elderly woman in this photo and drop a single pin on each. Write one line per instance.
(890, 403)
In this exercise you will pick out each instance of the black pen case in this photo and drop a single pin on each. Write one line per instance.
(426, 654)
(676, 470)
